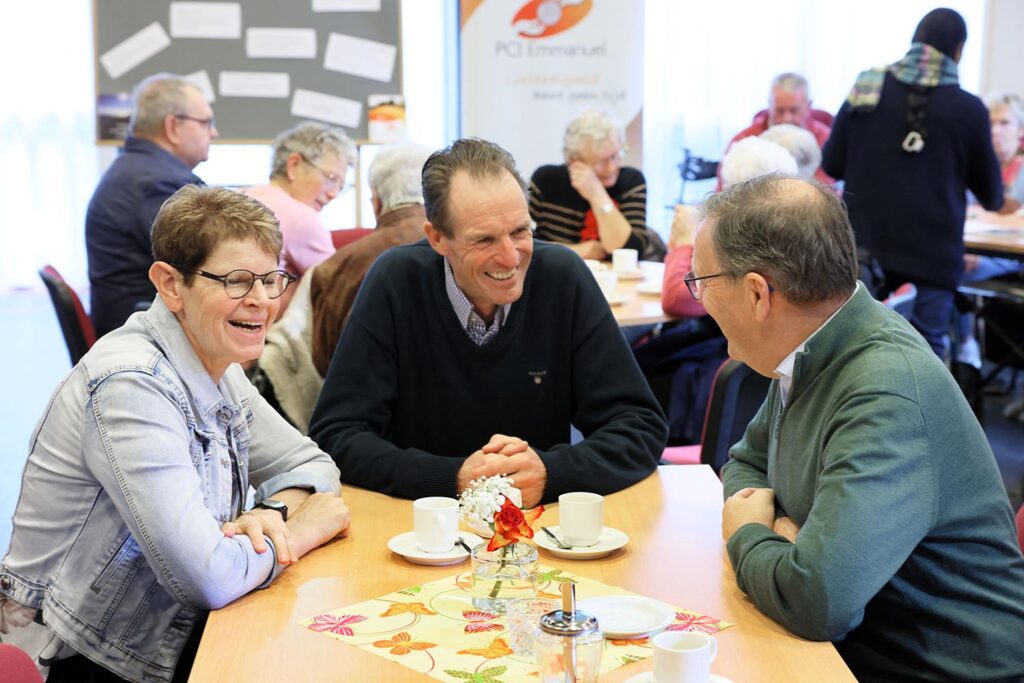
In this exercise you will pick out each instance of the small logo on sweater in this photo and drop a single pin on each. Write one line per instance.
(537, 375)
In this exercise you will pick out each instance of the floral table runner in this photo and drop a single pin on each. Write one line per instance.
(434, 628)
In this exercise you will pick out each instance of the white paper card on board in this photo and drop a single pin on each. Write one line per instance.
(201, 80)
(346, 5)
(136, 49)
(206, 20)
(317, 105)
(254, 84)
(281, 43)
(360, 57)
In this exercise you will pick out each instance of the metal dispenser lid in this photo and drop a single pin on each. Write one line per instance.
(568, 621)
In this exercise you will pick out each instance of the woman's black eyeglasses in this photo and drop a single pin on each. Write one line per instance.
(239, 282)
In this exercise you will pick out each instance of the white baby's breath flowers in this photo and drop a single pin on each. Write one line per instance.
(482, 499)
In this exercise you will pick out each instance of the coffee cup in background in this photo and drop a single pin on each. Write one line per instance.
(683, 657)
(625, 260)
(435, 523)
(580, 518)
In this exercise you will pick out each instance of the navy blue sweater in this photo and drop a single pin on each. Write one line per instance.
(118, 226)
(909, 209)
(409, 396)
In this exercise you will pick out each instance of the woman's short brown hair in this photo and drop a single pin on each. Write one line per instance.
(195, 220)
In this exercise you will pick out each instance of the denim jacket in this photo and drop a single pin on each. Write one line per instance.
(134, 466)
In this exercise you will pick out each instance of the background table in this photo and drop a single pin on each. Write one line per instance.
(641, 309)
(675, 554)
(990, 234)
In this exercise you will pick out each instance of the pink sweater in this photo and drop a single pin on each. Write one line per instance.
(306, 241)
(675, 297)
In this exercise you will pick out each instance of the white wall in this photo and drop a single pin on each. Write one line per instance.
(1004, 47)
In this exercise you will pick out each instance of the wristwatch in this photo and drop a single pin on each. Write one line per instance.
(607, 207)
(271, 504)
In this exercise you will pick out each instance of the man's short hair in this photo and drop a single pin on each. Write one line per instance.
(156, 98)
(800, 143)
(313, 141)
(395, 174)
(752, 157)
(791, 82)
(590, 128)
(803, 246)
(195, 220)
(479, 158)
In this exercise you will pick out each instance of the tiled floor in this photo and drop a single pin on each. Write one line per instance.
(34, 360)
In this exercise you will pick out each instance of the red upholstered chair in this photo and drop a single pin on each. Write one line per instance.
(736, 394)
(343, 237)
(819, 115)
(16, 666)
(75, 323)
(1020, 527)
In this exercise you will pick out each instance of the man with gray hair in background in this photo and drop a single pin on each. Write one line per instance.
(169, 134)
(864, 505)
(397, 199)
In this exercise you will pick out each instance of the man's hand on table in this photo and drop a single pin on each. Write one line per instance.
(319, 518)
(513, 457)
(748, 506)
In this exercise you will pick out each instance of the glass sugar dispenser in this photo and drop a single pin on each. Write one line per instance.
(569, 643)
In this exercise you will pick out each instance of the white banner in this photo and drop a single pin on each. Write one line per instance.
(528, 67)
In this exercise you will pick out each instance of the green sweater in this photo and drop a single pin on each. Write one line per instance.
(907, 556)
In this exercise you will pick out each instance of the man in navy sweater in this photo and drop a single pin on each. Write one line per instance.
(472, 353)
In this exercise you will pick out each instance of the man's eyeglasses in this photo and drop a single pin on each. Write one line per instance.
(239, 282)
(336, 182)
(205, 123)
(693, 283)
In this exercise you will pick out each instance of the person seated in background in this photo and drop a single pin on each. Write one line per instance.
(591, 202)
(397, 198)
(169, 134)
(473, 353)
(800, 144)
(309, 168)
(789, 102)
(863, 503)
(130, 525)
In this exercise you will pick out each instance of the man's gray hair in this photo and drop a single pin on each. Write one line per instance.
(752, 157)
(791, 82)
(1008, 100)
(313, 141)
(395, 175)
(479, 158)
(800, 143)
(590, 128)
(156, 98)
(798, 238)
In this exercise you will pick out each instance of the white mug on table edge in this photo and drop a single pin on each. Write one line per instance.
(607, 280)
(683, 657)
(625, 260)
(435, 523)
(580, 518)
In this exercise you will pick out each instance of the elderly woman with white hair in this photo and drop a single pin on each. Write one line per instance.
(591, 203)
(800, 143)
(310, 164)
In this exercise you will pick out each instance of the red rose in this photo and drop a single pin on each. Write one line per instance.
(511, 524)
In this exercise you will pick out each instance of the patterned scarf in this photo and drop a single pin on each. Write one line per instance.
(923, 65)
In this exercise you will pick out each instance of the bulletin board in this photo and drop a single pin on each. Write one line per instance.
(265, 64)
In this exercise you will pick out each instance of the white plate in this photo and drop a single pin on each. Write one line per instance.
(617, 300)
(637, 274)
(650, 288)
(628, 616)
(648, 677)
(608, 542)
(405, 545)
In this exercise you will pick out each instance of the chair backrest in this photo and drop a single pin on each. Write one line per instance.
(79, 334)
(16, 666)
(736, 395)
(1020, 527)
(819, 115)
(343, 237)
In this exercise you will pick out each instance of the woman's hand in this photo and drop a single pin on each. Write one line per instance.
(319, 518)
(258, 523)
(684, 226)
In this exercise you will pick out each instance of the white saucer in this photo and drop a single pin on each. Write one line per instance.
(628, 616)
(617, 300)
(637, 274)
(649, 288)
(608, 542)
(405, 545)
(648, 677)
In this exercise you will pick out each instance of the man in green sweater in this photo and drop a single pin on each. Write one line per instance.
(472, 353)
(864, 505)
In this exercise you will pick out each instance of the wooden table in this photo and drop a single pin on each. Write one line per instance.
(990, 234)
(637, 308)
(675, 554)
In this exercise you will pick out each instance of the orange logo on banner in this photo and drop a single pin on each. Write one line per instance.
(543, 18)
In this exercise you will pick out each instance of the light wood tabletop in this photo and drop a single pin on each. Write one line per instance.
(675, 554)
(994, 235)
(635, 304)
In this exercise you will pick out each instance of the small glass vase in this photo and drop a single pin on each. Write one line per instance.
(503, 575)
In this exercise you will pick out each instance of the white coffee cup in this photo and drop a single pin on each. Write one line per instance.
(625, 260)
(581, 518)
(594, 265)
(607, 280)
(435, 523)
(683, 657)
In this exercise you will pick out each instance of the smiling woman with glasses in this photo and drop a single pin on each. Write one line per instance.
(310, 168)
